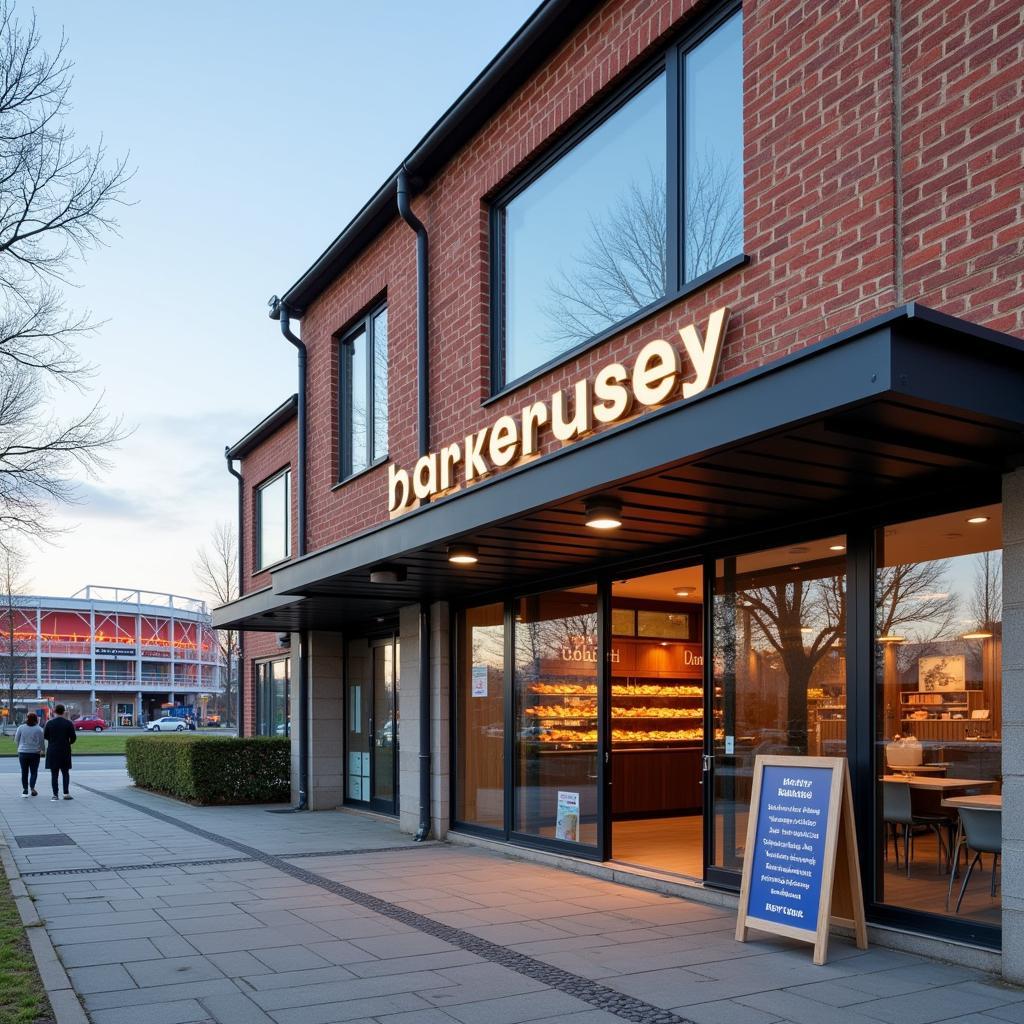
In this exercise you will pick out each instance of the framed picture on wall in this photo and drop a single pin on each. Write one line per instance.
(942, 672)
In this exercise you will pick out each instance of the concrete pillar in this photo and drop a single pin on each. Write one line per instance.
(1013, 727)
(326, 720)
(409, 720)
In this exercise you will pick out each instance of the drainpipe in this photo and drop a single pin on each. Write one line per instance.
(422, 352)
(423, 832)
(423, 423)
(280, 311)
(240, 694)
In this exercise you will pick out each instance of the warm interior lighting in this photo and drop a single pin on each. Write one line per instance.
(837, 547)
(806, 629)
(463, 554)
(604, 513)
(977, 520)
(891, 639)
(980, 634)
(683, 592)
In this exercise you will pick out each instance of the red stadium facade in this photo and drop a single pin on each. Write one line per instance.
(122, 655)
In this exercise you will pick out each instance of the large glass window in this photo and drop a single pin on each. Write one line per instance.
(273, 694)
(480, 717)
(617, 220)
(938, 656)
(274, 520)
(779, 671)
(364, 393)
(556, 672)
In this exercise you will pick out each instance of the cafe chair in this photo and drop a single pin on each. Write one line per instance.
(982, 833)
(898, 812)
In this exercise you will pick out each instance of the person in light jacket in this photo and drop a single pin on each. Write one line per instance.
(29, 738)
(59, 735)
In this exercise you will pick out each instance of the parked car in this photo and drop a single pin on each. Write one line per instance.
(90, 722)
(166, 724)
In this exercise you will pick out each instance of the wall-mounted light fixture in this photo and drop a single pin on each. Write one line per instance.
(388, 574)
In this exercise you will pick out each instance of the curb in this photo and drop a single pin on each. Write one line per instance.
(59, 990)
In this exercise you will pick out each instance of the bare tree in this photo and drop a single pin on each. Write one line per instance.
(56, 202)
(216, 570)
(622, 264)
(13, 584)
(986, 602)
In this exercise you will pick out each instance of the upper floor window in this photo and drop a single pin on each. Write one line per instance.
(274, 520)
(363, 375)
(638, 204)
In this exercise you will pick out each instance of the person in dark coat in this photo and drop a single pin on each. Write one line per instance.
(59, 735)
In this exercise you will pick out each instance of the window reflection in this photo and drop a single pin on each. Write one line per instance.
(585, 243)
(555, 651)
(779, 670)
(938, 654)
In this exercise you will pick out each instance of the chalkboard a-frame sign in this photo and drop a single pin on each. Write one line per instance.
(800, 869)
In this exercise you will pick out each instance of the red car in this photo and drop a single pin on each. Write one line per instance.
(90, 722)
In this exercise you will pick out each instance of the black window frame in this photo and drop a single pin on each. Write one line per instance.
(258, 565)
(670, 62)
(363, 323)
(263, 685)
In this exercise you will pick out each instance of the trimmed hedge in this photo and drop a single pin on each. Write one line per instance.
(212, 770)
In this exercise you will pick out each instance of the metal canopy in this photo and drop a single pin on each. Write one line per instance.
(907, 404)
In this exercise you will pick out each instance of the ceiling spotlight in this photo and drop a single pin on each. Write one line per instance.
(463, 554)
(388, 574)
(979, 634)
(837, 547)
(604, 513)
(683, 592)
(977, 520)
(891, 638)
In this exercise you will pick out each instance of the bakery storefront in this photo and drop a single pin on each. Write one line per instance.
(806, 559)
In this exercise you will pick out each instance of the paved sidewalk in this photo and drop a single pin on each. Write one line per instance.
(163, 913)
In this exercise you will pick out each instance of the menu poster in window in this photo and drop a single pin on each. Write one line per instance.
(800, 868)
(479, 681)
(567, 817)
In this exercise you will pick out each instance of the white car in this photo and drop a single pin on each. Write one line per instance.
(166, 724)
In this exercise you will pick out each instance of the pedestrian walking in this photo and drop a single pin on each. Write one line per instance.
(29, 738)
(59, 735)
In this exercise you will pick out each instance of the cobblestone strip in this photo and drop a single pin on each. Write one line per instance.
(597, 995)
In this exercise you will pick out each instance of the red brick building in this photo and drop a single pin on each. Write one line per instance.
(662, 410)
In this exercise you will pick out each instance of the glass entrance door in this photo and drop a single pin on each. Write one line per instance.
(371, 724)
(778, 676)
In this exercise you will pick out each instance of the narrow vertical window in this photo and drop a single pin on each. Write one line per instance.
(273, 520)
(364, 394)
(713, 148)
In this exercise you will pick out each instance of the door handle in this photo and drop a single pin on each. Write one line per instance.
(707, 761)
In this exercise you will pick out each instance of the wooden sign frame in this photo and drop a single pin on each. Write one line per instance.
(841, 897)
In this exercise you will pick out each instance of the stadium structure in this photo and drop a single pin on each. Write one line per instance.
(123, 655)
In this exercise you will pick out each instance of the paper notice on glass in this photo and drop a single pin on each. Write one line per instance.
(567, 819)
(479, 680)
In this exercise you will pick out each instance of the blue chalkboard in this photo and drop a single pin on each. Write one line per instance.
(788, 857)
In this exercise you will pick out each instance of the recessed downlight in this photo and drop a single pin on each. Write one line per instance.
(683, 592)
(604, 513)
(837, 547)
(463, 554)
(977, 520)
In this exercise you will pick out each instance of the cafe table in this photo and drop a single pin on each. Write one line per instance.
(945, 786)
(975, 802)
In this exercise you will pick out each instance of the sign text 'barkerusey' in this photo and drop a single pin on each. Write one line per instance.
(656, 377)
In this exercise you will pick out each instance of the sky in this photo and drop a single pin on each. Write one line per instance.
(257, 131)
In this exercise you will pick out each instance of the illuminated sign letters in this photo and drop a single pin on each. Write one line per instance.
(658, 375)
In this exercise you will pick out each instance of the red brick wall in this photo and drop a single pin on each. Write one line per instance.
(277, 452)
(820, 209)
(963, 165)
